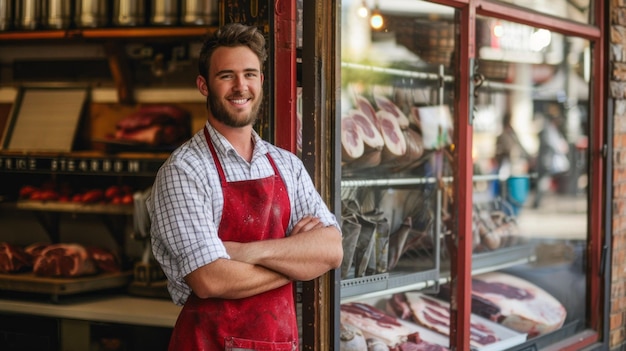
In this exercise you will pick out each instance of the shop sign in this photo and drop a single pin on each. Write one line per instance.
(73, 165)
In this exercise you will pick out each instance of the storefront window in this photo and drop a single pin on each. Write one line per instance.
(576, 10)
(398, 76)
(529, 155)
(530, 150)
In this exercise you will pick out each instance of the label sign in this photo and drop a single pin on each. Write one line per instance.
(78, 165)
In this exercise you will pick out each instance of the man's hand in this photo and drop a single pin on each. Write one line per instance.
(243, 251)
(306, 224)
(310, 250)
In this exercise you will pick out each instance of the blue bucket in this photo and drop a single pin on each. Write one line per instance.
(518, 189)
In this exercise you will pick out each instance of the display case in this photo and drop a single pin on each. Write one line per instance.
(442, 184)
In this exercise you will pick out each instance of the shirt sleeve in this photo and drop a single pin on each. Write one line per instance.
(183, 231)
(307, 199)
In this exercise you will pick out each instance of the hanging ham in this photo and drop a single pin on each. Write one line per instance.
(385, 104)
(395, 141)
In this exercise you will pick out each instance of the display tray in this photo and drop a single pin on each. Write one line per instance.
(73, 207)
(30, 283)
(507, 337)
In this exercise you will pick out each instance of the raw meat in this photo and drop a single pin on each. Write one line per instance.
(155, 125)
(364, 106)
(64, 260)
(524, 306)
(413, 155)
(415, 343)
(105, 260)
(385, 104)
(435, 314)
(361, 141)
(351, 338)
(13, 259)
(395, 141)
(382, 331)
(374, 323)
(371, 135)
(35, 249)
(352, 145)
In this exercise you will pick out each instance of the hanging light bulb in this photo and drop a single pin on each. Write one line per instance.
(363, 11)
(376, 21)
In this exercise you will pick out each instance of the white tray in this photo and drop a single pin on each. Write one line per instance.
(508, 337)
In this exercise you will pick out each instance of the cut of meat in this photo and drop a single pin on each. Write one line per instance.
(385, 104)
(415, 343)
(364, 106)
(64, 260)
(352, 145)
(395, 141)
(351, 338)
(371, 135)
(105, 260)
(359, 133)
(374, 323)
(524, 306)
(412, 156)
(13, 259)
(435, 315)
(155, 125)
(35, 249)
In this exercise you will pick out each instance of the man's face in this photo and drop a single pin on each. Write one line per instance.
(234, 86)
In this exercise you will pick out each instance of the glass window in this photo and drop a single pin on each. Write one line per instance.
(575, 10)
(530, 150)
(529, 205)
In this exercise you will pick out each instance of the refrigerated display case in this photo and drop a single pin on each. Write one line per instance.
(418, 109)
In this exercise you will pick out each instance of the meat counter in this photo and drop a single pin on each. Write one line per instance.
(87, 322)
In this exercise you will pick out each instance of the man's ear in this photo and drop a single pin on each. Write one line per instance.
(202, 85)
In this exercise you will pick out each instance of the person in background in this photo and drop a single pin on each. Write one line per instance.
(234, 219)
(512, 162)
(553, 152)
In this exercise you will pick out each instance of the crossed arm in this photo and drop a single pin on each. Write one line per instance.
(308, 252)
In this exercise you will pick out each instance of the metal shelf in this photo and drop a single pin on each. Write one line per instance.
(108, 33)
(384, 284)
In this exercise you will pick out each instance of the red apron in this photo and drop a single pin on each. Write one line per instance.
(253, 210)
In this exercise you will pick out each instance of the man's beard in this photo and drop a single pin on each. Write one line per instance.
(219, 111)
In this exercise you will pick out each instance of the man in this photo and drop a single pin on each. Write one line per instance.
(234, 219)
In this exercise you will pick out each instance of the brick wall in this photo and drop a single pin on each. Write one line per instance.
(617, 325)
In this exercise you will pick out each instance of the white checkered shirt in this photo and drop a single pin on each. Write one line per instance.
(186, 202)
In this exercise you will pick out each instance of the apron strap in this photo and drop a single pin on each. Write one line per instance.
(220, 170)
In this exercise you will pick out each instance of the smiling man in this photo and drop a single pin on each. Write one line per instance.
(235, 220)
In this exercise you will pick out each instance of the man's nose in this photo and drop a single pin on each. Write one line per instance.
(240, 84)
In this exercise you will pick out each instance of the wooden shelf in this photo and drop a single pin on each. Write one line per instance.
(109, 33)
(86, 162)
(71, 207)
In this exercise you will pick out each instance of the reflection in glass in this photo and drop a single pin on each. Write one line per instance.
(529, 215)
(530, 148)
(576, 10)
(397, 97)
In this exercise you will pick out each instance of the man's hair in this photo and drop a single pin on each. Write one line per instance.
(232, 35)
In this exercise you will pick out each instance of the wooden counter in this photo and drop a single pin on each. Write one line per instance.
(110, 309)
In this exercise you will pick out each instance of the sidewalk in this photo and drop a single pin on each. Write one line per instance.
(558, 217)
